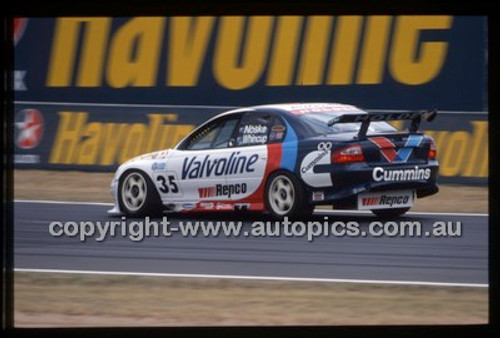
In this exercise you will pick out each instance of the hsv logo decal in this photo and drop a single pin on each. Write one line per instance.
(29, 128)
(19, 28)
(387, 148)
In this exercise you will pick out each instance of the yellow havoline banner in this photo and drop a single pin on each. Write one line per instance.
(381, 61)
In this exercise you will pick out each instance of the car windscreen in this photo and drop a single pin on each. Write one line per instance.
(318, 124)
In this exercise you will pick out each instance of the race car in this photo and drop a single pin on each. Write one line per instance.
(285, 159)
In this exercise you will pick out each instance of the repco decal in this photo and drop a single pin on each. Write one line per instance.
(386, 200)
(226, 190)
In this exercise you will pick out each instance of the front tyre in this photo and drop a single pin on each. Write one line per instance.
(285, 197)
(137, 195)
(390, 213)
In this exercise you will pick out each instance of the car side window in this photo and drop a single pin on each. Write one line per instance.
(254, 129)
(214, 135)
(225, 134)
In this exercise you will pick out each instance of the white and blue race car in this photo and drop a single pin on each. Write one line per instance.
(285, 159)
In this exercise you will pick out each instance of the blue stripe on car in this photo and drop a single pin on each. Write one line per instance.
(412, 142)
(289, 149)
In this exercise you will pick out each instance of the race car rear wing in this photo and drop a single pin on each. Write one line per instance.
(415, 116)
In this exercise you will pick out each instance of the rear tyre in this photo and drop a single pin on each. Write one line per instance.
(390, 213)
(137, 195)
(286, 197)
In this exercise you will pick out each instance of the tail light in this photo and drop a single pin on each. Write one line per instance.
(431, 155)
(348, 155)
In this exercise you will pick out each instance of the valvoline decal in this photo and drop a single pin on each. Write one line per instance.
(206, 166)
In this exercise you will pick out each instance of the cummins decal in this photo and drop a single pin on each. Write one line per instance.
(320, 156)
(395, 175)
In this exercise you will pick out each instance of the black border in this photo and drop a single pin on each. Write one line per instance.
(198, 7)
(7, 180)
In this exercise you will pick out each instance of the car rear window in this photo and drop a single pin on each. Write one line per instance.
(318, 124)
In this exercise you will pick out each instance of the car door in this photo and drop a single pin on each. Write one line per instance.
(203, 161)
(252, 137)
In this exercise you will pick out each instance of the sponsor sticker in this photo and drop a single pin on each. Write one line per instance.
(322, 107)
(207, 205)
(386, 200)
(318, 196)
(324, 145)
(189, 206)
(224, 206)
(226, 190)
(380, 174)
(206, 166)
(158, 166)
(242, 206)
(276, 135)
(278, 128)
(317, 156)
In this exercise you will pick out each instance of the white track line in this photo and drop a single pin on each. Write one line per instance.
(243, 277)
(340, 212)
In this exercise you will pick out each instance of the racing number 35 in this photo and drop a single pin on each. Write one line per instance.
(168, 184)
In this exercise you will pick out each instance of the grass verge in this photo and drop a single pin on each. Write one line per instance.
(61, 300)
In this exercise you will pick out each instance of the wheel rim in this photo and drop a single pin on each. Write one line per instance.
(134, 191)
(281, 195)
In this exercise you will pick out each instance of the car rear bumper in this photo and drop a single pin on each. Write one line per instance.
(350, 180)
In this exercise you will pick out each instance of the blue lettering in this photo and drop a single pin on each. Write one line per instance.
(184, 169)
(251, 161)
(236, 164)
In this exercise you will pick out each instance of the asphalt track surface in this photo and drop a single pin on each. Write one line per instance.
(461, 259)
